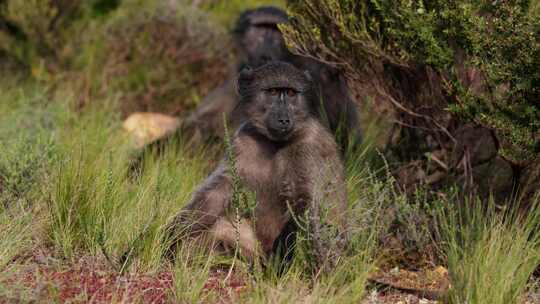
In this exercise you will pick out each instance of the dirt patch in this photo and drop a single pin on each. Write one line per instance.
(43, 278)
(395, 297)
(427, 284)
(90, 281)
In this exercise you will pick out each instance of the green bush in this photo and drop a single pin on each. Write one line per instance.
(460, 77)
(153, 55)
(36, 32)
(506, 47)
(24, 156)
(157, 57)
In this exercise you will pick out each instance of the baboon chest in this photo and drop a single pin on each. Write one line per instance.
(273, 174)
(274, 178)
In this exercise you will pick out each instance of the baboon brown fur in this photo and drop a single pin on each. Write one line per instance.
(259, 40)
(286, 157)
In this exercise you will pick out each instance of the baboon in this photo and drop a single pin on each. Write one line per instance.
(257, 36)
(259, 40)
(287, 158)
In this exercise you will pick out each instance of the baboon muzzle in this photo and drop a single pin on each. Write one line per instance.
(280, 124)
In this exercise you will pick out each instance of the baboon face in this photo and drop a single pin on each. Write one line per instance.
(263, 43)
(258, 36)
(276, 98)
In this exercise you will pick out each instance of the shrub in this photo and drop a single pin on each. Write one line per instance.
(460, 77)
(158, 58)
(37, 32)
(153, 55)
(491, 255)
(506, 47)
(24, 156)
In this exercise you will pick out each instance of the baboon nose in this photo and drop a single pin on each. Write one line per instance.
(284, 122)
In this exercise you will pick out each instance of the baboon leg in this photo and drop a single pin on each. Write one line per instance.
(323, 196)
(226, 234)
(208, 204)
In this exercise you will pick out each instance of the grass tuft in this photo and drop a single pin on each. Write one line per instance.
(491, 254)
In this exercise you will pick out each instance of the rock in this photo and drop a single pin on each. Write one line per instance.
(494, 177)
(478, 141)
(410, 175)
(146, 128)
(530, 181)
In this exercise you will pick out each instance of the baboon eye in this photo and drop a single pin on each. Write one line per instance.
(273, 92)
(291, 92)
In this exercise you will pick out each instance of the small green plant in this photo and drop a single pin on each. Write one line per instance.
(24, 156)
(491, 254)
(243, 202)
(191, 272)
(16, 225)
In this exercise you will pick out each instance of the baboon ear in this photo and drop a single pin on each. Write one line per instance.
(244, 80)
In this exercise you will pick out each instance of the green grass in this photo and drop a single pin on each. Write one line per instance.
(89, 204)
(26, 153)
(77, 197)
(491, 255)
(191, 272)
(16, 226)
(96, 205)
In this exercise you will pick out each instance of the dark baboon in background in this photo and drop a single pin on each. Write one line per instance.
(287, 158)
(257, 36)
(259, 40)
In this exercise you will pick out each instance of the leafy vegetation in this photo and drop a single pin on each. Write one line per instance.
(506, 46)
(501, 39)
(489, 250)
(149, 54)
(68, 193)
(441, 69)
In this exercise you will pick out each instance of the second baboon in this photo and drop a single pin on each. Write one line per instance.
(259, 40)
(287, 159)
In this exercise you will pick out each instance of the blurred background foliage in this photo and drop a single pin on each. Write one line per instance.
(156, 55)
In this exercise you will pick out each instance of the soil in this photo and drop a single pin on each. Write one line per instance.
(40, 277)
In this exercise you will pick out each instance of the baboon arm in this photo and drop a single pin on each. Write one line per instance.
(208, 202)
(326, 203)
(229, 234)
